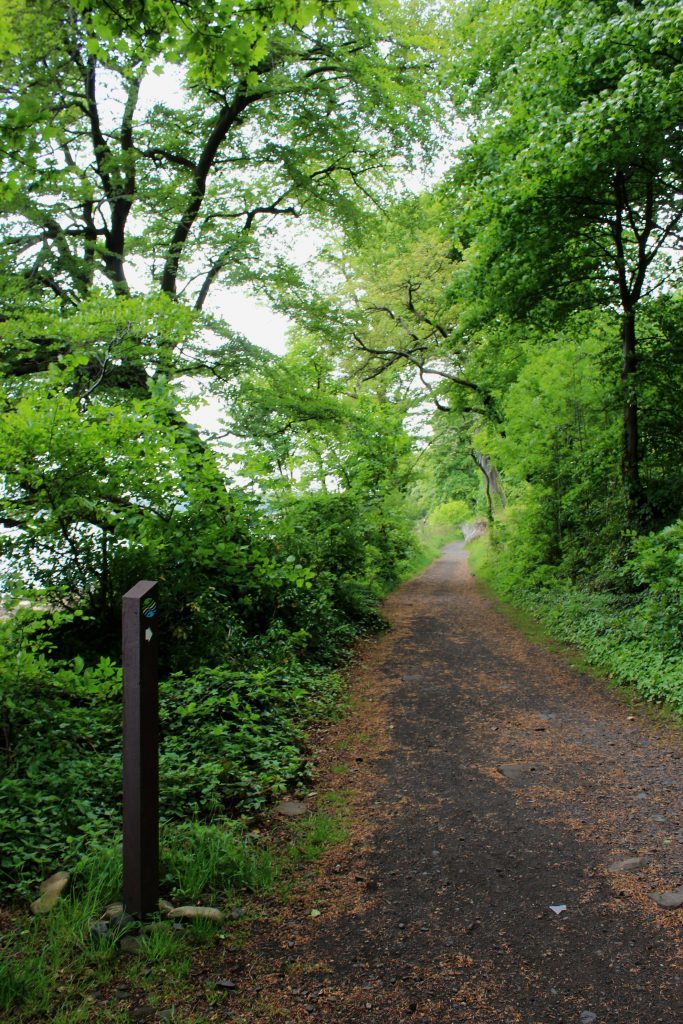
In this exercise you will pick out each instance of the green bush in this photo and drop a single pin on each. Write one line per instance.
(61, 732)
(656, 567)
(232, 739)
(450, 513)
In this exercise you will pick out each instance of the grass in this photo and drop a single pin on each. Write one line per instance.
(164, 945)
(49, 965)
(347, 742)
(212, 861)
(42, 951)
(336, 798)
(315, 834)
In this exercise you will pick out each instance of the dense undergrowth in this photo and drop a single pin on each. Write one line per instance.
(232, 739)
(627, 620)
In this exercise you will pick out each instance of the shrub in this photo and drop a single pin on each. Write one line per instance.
(450, 513)
(633, 632)
(232, 739)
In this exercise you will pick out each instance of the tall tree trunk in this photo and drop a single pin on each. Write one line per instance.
(493, 484)
(630, 463)
(630, 291)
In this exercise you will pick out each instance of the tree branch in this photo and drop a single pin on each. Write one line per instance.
(230, 115)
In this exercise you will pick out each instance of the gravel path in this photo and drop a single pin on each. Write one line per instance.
(511, 821)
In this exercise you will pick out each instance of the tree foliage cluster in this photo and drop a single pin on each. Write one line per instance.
(569, 205)
(150, 153)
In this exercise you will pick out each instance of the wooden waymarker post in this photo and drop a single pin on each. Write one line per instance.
(140, 750)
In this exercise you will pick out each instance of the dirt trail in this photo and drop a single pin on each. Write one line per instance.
(493, 784)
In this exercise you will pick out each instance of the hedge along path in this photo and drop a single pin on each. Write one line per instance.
(495, 784)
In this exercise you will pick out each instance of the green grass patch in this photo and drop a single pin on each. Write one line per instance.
(50, 964)
(42, 950)
(212, 862)
(335, 798)
(315, 834)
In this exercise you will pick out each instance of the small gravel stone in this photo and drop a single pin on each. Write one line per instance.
(291, 808)
(519, 772)
(668, 900)
(99, 932)
(121, 922)
(113, 910)
(190, 912)
(50, 891)
(618, 867)
(142, 1012)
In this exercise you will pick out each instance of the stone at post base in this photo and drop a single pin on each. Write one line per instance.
(50, 891)
(196, 913)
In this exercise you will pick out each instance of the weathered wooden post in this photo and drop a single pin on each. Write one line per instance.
(140, 750)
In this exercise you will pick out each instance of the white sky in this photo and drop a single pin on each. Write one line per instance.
(251, 317)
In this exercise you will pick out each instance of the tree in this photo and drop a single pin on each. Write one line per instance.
(287, 115)
(392, 312)
(122, 211)
(330, 459)
(13, 23)
(302, 424)
(570, 190)
(401, 316)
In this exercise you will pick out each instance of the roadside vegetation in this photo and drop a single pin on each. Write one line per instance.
(52, 964)
(631, 635)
